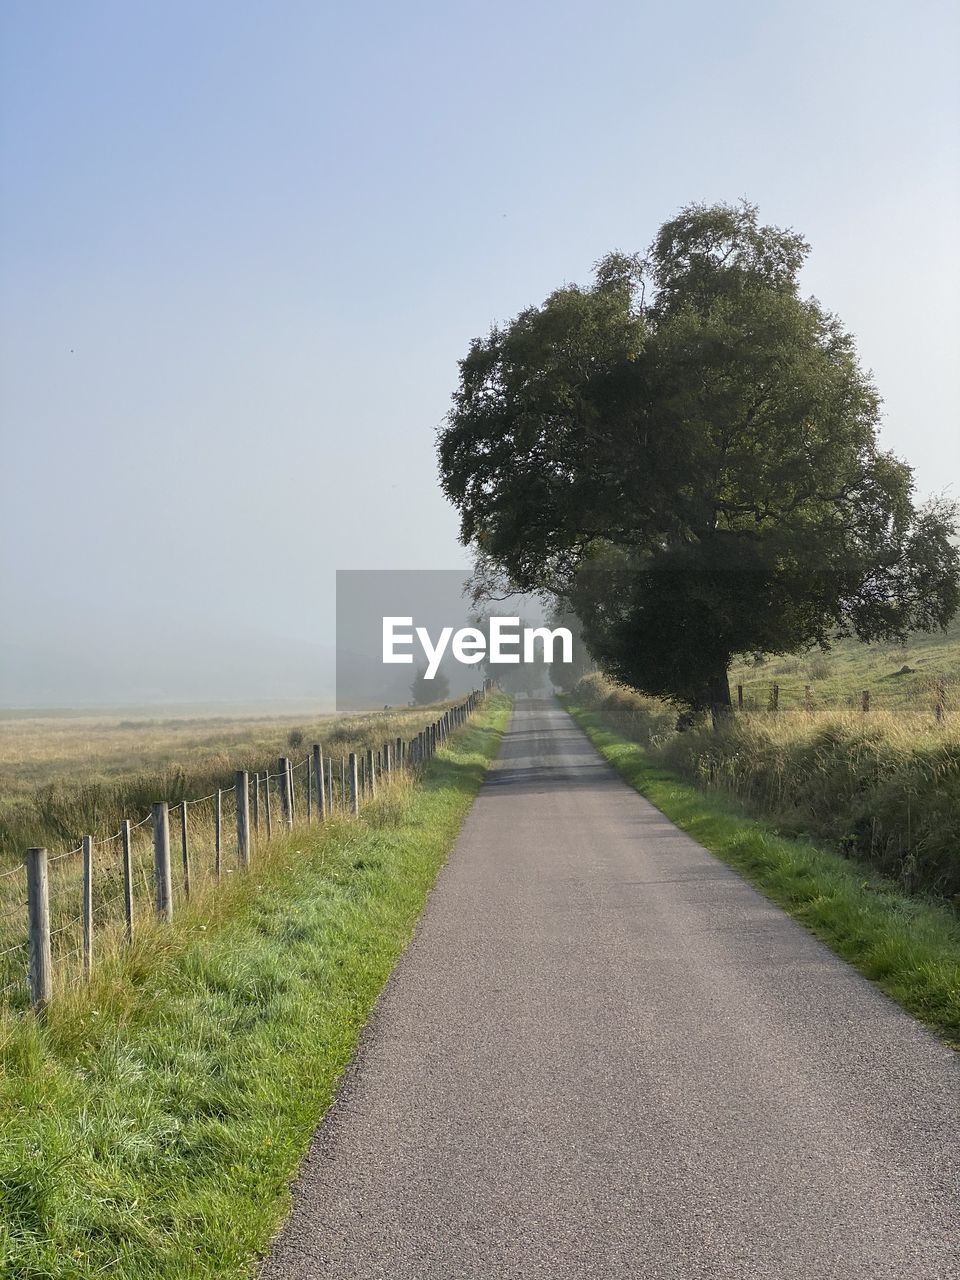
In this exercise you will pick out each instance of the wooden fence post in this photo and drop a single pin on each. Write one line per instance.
(330, 785)
(354, 785)
(161, 860)
(309, 788)
(775, 697)
(87, 855)
(739, 697)
(807, 698)
(242, 790)
(371, 772)
(256, 805)
(286, 808)
(319, 782)
(343, 785)
(38, 924)
(865, 701)
(185, 847)
(399, 753)
(387, 761)
(218, 834)
(127, 877)
(266, 801)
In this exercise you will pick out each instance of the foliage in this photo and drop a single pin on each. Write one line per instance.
(687, 452)
(565, 675)
(644, 720)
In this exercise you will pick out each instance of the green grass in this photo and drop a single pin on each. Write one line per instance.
(149, 1124)
(838, 678)
(909, 947)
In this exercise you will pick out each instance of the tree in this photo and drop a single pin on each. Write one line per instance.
(687, 452)
(565, 675)
(426, 691)
(513, 677)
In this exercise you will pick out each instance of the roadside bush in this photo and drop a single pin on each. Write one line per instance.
(884, 789)
(645, 720)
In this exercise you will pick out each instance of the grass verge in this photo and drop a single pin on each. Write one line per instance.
(150, 1123)
(909, 947)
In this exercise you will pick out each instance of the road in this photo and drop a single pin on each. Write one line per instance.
(604, 1055)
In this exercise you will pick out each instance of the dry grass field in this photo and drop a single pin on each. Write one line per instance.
(63, 778)
(68, 776)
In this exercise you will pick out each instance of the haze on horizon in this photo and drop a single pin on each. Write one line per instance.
(242, 248)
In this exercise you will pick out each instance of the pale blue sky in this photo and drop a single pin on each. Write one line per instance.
(244, 245)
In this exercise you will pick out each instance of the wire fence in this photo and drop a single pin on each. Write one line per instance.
(60, 911)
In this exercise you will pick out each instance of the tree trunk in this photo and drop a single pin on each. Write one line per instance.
(718, 698)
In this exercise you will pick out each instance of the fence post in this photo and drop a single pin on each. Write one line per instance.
(775, 697)
(739, 697)
(256, 805)
(218, 834)
(329, 768)
(242, 790)
(865, 701)
(291, 794)
(371, 772)
(38, 925)
(127, 860)
(161, 860)
(399, 753)
(266, 802)
(807, 698)
(319, 781)
(354, 785)
(87, 855)
(283, 768)
(941, 704)
(309, 788)
(185, 847)
(343, 785)
(127, 877)
(387, 761)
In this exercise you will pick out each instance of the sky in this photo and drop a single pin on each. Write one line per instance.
(243, 245)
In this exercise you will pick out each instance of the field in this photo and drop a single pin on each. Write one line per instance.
(837, 678)
(68, 776)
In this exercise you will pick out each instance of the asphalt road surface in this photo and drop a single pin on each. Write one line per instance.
(604, 1055)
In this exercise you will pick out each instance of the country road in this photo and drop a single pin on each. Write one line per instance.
(604, 1055)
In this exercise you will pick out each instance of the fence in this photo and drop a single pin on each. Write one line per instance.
(56, 907)
(861, 700)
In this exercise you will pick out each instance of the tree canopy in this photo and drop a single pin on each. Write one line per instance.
(686, 451)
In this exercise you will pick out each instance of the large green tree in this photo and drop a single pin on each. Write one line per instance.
(687, 452)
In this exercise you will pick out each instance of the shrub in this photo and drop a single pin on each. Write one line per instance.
(883, 789)
(644, 720)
